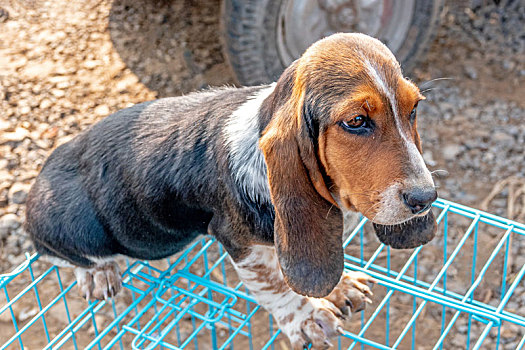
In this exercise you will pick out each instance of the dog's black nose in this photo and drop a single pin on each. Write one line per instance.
(419, 199)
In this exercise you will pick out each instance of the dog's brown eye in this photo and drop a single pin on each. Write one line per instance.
(413, 115)
(355, 122)
(359, 125)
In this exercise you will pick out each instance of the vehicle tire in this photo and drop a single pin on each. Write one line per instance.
(262, 37)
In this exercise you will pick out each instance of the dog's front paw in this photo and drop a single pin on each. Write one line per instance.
(353, 292)
(101, 282)
(317, 321)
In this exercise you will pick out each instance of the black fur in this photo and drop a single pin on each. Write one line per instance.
(144, 182)
(411, 234)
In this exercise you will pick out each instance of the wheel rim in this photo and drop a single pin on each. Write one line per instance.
(302, 22)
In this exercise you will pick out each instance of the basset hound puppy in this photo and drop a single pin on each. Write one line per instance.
(270, 171)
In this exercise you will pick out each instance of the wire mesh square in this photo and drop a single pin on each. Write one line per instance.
(464, 290)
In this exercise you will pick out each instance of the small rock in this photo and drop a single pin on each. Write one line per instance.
(127, 81)
(508, 65)
(4, 15)
(513, 305)
(16, 259)
(511, 346)
(50, 133)
(16, 136)
(5, 176)
(5, 317)
(38, 70)
(25, 110)
(58, 92)
(451, 151)
(471, 72)
(429, 158)
(519, 261)
(510, 331)
(102, 110)
(459, 340)
(8, 223)
(63, 85)
(3, 198)
(19, 62)
(26, 313)
(92, 64)
(100, 320)
(502, 138)
(463, 329)
(45, 103)
(513, 130)
(18, 193)
(4, 125)
(27, 245)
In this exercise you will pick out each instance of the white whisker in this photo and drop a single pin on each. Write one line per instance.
(422, 85)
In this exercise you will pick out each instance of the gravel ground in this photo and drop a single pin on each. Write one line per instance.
(66, 64)
(473, 123)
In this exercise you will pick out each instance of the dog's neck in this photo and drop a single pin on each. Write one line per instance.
(246, 160)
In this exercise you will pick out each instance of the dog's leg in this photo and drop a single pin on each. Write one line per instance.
(100, 282)
(303, 319)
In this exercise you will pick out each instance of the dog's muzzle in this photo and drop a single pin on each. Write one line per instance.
(410, 234)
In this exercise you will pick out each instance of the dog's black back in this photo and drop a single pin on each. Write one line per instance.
(143, 182)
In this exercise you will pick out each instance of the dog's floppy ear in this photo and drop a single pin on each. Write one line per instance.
(308, 226)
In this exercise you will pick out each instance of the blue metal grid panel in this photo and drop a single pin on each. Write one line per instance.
(464, 290)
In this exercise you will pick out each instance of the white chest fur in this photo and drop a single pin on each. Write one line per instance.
(246, 160)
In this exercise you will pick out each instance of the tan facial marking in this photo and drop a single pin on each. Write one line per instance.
(368, 173)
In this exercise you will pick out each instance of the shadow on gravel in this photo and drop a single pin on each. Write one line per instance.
(173, 46)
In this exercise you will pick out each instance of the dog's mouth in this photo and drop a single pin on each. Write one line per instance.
(409, 234)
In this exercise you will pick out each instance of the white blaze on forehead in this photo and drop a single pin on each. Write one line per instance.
(422, 175)
(386, 90)
(379, 81)
(246, 160)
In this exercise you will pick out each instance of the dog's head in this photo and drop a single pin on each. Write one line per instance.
(341, 134)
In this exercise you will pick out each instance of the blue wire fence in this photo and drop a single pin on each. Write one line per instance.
(464, 290)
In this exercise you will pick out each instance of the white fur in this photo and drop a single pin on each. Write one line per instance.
(57, 261)
(102, 281)
(295, 313)
(379, 81)
(84, 279)
(280, 305)
(246, 160)
(392, 210)
(101, 260)
(96, 259)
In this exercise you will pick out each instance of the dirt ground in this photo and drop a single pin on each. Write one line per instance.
(65, 64)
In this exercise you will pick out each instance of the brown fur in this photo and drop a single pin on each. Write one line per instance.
(308, 178)
(302, 215)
